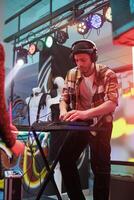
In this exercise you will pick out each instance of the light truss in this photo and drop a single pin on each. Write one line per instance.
(62, 16)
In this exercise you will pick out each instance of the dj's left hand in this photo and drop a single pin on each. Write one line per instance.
(74, 115)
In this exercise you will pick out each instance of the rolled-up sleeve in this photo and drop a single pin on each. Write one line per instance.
(65, 94)
(111, 87)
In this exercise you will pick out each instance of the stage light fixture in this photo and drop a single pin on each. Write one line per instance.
(40, 45)
(96, 20)
(49, 41)
(82, 27)
(61, 36)
(21, 57)
(78, 12)
(32, 49)
(107, 12)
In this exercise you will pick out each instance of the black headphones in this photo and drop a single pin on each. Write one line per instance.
(84, 46)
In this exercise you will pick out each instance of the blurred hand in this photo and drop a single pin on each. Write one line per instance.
(14, 130)
(2, 53)
(18, 148)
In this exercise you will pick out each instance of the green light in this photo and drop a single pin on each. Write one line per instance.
(49, 41)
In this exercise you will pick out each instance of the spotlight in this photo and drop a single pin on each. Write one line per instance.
(82, 27)
(96, 20)
(40, 45)
(49, 41)
(20, 62)
(32, 49)
(61, 36)
(21, 55)
(107, 12)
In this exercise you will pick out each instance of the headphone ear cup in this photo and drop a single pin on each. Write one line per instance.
(72, 58)
(94, 56)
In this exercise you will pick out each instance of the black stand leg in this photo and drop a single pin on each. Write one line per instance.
(49, 176)
(51, 171)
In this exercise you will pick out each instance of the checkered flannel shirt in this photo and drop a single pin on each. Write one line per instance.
(107, 89)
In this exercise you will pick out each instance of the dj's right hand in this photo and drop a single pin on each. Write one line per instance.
(18, 148)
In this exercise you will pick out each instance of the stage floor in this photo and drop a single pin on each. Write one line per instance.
(64, 197)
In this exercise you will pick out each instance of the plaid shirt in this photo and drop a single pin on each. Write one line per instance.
(107, 89)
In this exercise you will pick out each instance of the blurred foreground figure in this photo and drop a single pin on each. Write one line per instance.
(8, 132)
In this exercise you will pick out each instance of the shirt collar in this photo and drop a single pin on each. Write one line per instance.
(79, 76)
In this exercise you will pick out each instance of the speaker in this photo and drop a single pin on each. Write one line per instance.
(122, 188)
(123, 22)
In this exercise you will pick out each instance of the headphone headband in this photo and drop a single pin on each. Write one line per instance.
(84, 46)
(88, 42)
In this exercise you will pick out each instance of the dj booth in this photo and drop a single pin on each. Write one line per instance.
(37, 185)
(55, 126)
(58, 126)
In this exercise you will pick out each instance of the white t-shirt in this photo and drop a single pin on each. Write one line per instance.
(87, 90)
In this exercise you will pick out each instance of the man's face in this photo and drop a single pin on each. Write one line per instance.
(84, 63)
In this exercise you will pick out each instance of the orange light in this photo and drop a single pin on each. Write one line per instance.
(32, 49)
